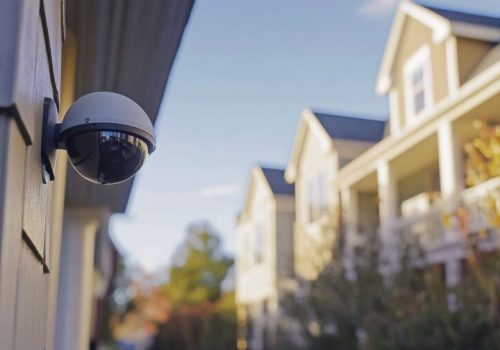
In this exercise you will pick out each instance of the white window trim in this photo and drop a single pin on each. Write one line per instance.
(452, 65)
(325, 196)
(422, 57)
(258, 244)
(395, 117)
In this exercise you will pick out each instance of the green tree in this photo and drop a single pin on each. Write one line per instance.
(409, 311)
(199, 268)
(203, 317)
(220, 325)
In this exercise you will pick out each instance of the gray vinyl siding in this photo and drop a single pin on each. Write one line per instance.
(30, 68)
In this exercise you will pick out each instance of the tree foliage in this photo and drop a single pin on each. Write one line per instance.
(200, 268)
(483, 153)
(413, 309)
(203, 316)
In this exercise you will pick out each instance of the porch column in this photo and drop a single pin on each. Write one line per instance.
(388, 210)
(349, 200)
(453, 272)
(451, 170)
(76, 280)
(388, 194)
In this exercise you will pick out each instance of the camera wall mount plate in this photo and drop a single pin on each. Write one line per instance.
(50, 129)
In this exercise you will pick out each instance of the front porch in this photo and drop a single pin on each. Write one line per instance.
(419, 188)
(472, 217)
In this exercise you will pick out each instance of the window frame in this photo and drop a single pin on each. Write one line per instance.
(421, 59)
(259, 244)
(314, 182)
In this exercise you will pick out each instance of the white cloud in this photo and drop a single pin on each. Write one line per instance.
(377, 8)
(224, 190)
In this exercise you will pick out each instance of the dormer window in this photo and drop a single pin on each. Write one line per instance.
(418, 84)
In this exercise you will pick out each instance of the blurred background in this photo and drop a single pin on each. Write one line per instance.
(249, 82)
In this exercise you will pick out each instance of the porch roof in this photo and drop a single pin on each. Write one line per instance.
(477, 97)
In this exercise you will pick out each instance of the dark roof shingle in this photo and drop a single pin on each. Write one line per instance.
(465, 17)
(352, 128)
(277, 182)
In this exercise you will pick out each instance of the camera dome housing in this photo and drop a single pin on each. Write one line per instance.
(107, 137)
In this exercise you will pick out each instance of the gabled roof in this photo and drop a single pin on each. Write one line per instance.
(351, 128)
(333, 127)
(443, 23)
(276, 180)
(465, 17)
(273, 179)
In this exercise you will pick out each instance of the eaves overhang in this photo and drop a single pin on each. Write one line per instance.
(308, 120)
(128, 47)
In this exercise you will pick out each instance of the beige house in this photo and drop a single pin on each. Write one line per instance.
(264, 264)
(404, 179)
(324, 144)
(440, 71)
(56, 260)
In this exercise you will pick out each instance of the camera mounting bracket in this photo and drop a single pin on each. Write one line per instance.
(50, 128)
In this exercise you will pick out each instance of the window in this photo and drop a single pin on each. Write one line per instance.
(258, 246)
(418, 89)
(418, 83)
(317, 196)
(245, 257)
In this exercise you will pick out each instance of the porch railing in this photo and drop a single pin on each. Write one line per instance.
(479, 206)
(423, 228)
(481, 203)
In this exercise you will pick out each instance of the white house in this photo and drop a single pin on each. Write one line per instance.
(403, 179)
(324, 144)
(264, 264)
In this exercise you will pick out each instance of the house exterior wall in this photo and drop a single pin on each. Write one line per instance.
(437, 142)
(258, 283)
(317, 155)
(256, 280)
(469, 54)
(424, 180)
(350, 149)
(30, 211)
(284, 240)
(414, 36)
(33, 36)
(314, 239)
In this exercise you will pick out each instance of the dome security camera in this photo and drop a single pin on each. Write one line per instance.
(107, 137)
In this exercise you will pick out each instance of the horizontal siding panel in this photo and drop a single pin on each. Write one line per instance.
(30, 306)
(9, 17)
(12, 162)
(36, 210)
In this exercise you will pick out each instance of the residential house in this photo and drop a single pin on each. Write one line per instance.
(402, 180)
(440, 71)
(50, 278)
(264, 265)
(324, 144)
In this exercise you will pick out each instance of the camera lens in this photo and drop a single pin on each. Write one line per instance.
(106, 157)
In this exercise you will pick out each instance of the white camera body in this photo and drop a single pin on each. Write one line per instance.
(107, 137)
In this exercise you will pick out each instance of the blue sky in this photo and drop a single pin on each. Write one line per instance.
(243, 74)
